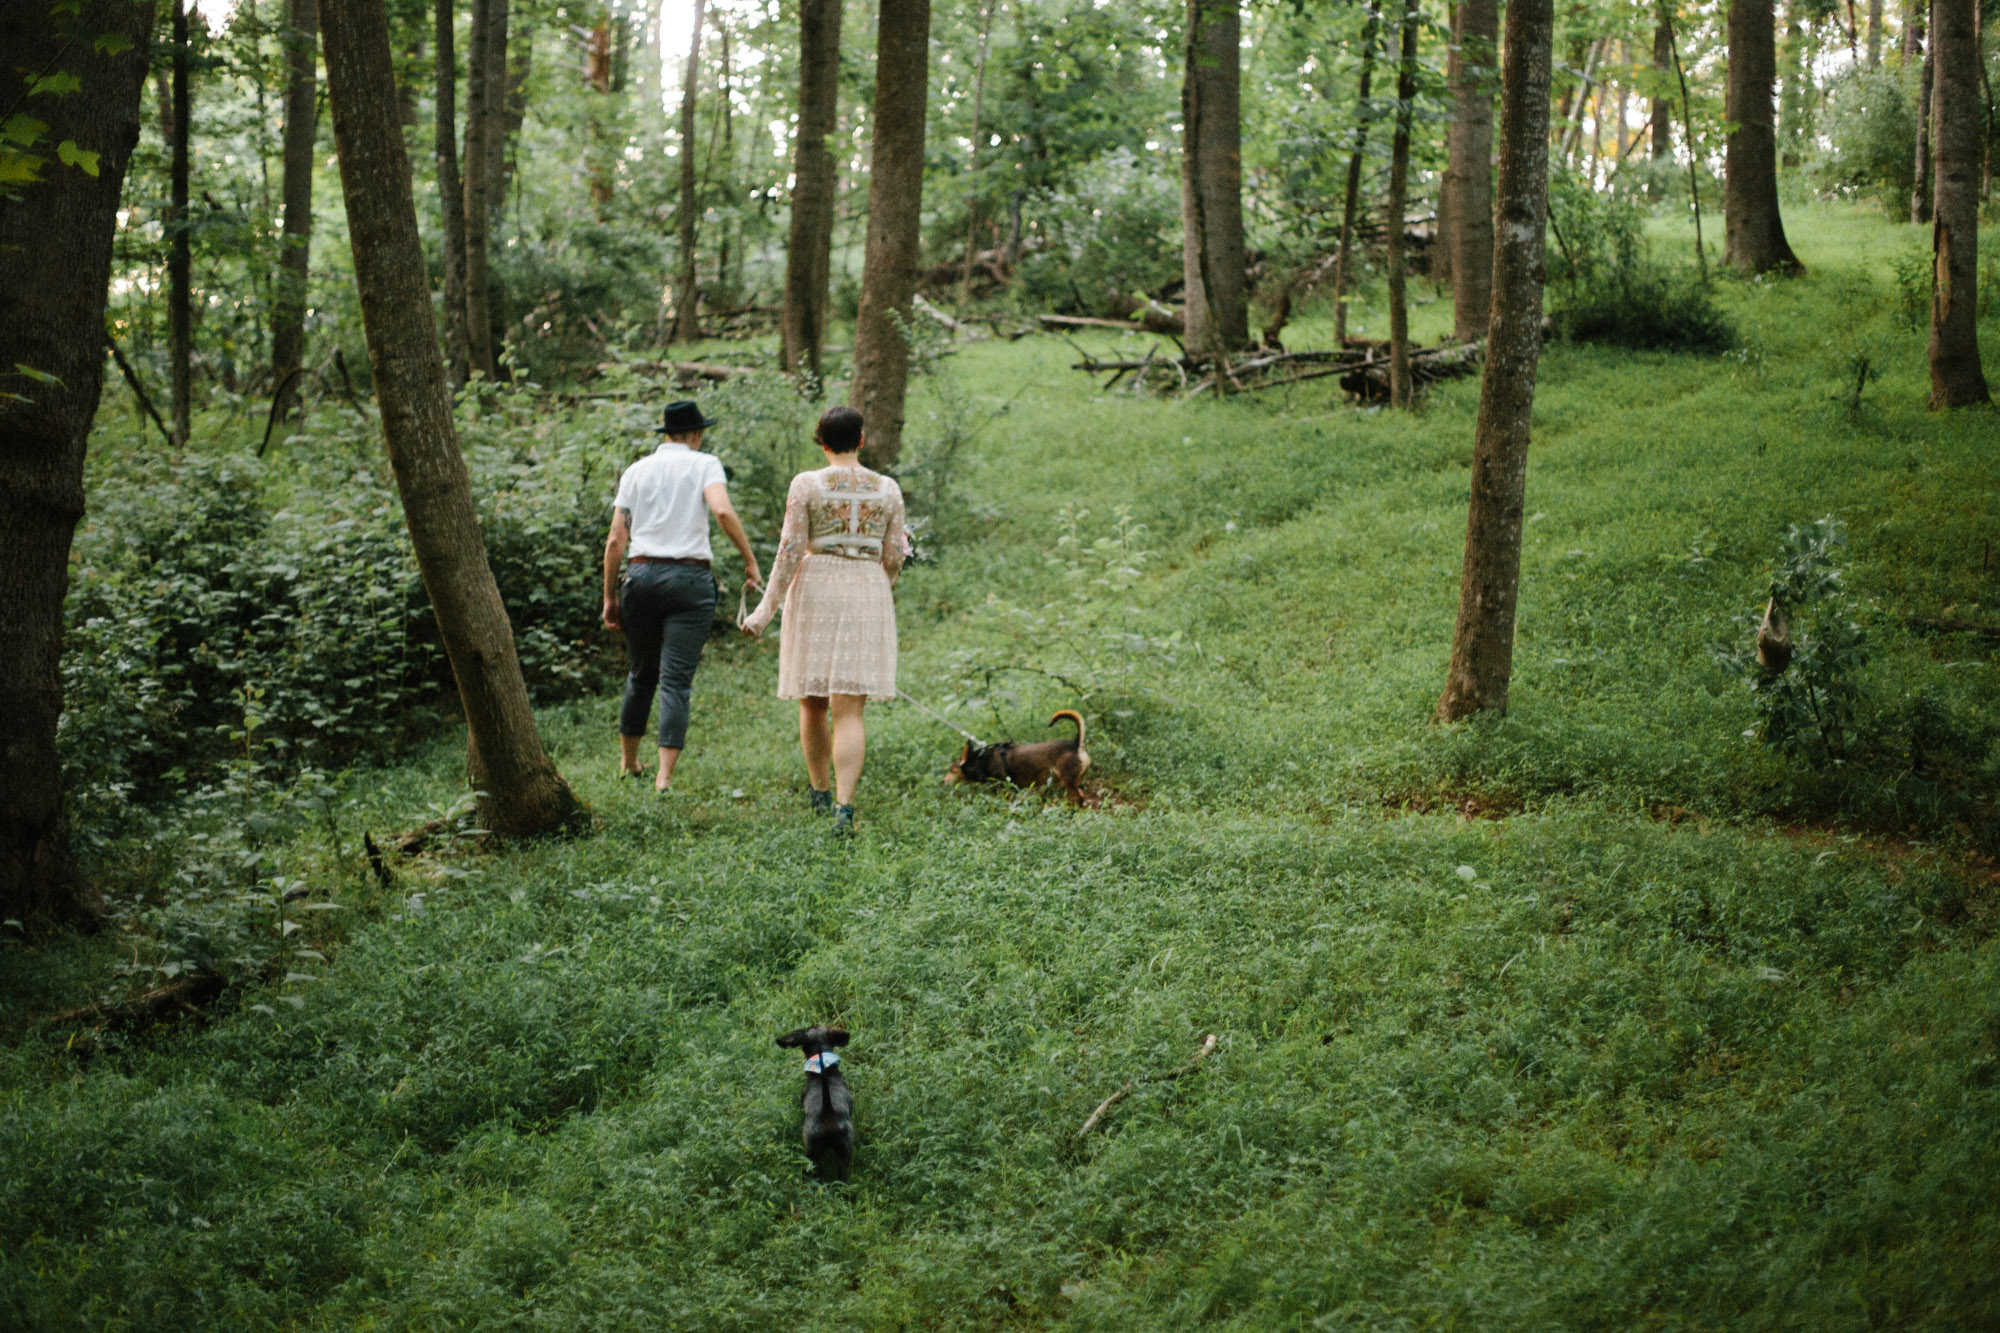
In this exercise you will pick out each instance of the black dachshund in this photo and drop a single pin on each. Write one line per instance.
(828, 1128)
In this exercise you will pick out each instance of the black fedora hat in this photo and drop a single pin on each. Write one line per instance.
(683, 418)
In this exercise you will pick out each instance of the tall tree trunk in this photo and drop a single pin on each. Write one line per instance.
(687, 313)
(1444, 231)
(1401, 390)
(524, 795)
(1687, 126)
(495, 140)
(1663, 107)
(809, 246)
(288, 316)
(972, 165)
(1922, 189)
(1795, 92)
(1482, 650)
(518, 61)
(1351, 199)
(1753, 232)
(895, 202)
(1956, 377)
(1573, 130)
(451, 196)
(479, 122)
(55, 264)
(1874, 34)
(1217, 303)
(1471, 169)
(180, 248)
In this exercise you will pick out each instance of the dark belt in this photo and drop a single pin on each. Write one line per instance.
(669, 560)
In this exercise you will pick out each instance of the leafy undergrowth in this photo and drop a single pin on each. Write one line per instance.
(1597, 1016)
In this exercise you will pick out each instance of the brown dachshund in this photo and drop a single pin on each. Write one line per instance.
(1040, 764)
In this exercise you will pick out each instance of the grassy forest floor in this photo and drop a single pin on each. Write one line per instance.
(1597, 1016)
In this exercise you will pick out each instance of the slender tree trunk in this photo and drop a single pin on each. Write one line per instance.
(809, 246)
(1482, 651)
(895, 202)
(1687, 125)
(972, 166)
(687, 314)
(55, 264)
(524, 795)
(494, 142)
(479, 122)
(1795, 90)
(1874, 34)
(1663, 107)
(1956, 377)
(722, 95)
(1913, 32)
(1470, 144)
(1753, 232)
(288, 316)
(518, 60)
(1217, 304)
(1921, 191)
(1401, 391)
(1444, 231)
(1351, 200)
(451, 196)
(180, 251)
(1573, 131)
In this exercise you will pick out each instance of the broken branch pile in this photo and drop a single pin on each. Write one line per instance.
(1363, 367)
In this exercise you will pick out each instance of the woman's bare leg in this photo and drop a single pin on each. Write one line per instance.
(816, 741)
(850, 744)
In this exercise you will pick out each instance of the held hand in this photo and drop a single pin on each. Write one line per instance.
(611, 613)
(755, 578)
(754, 623)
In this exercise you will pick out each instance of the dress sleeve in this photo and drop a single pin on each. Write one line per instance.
(894, 543)
(792, 546)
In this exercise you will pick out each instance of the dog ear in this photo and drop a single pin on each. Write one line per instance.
(796, 1037)
(833, 1036)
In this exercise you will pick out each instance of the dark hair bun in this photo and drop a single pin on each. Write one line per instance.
(839, 429)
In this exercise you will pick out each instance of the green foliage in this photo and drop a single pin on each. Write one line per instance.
(1116, 231)
(1870, 128)
(1608, 289)
(1810, 709)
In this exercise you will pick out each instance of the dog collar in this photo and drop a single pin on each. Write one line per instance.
(822, 1063)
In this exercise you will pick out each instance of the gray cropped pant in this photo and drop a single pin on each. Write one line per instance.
(667, 611)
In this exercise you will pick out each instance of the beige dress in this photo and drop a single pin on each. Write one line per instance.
(837, 560)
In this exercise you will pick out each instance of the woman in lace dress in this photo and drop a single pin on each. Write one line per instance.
(839, 556)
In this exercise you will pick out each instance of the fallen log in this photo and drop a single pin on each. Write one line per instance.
(184, 996)
(682, 370)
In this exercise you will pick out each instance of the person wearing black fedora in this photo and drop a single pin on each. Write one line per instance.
(665, 601)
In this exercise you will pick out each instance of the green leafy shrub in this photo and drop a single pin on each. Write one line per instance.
(1870, 129)
(1116, 230)
(1608, 289)
(1810, 707)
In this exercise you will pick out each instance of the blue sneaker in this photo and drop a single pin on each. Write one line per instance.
(843, 821)
(822, 801)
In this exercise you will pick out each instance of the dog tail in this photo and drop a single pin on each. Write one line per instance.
(1073, 716)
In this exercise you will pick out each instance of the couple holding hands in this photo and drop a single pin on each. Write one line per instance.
(838, 557)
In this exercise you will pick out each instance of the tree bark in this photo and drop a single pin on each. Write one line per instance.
(809, 246)
(1482, 652)
(895, 200)
(524, 795)
(479, 121)
(1663, 107)
(1922, 189)
(451, 196)
(1351, 200)
(288, 315)
(1217, 300)
(1471, 169)
(1753, 232)
(1795, 90)
(687, 313)
(495, 140)
(1444, 230)
(180, 247)
(972, 164)
(55, 264)
(1874, 34)
(1956, 377)
(1400, 389)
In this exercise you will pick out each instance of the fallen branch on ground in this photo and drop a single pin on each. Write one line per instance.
(1126, 1091)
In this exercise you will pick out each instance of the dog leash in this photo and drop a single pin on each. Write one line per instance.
(904, 695)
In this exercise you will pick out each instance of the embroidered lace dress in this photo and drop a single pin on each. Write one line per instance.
(837, 560)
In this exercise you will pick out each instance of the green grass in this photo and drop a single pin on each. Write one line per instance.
(1580, 1066)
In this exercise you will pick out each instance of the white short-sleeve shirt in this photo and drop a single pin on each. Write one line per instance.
(663, 492)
